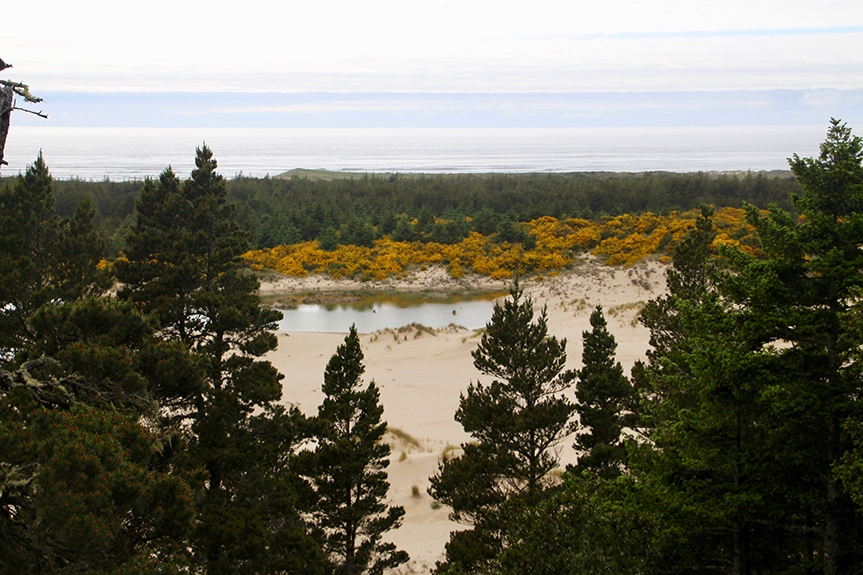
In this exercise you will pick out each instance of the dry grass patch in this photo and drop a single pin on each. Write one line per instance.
(405, 438)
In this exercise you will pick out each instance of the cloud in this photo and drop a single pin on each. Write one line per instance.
(469, 46)
(764, 32)
(439, 63)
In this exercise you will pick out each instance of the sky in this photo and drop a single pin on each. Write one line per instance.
(410, 63)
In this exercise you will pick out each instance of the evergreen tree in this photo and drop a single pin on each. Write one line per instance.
(750, 383)
(348, 466)
(43, 258)
(584, 527)
(182, 265)
(704, 475)
(88, 478)
(516, 422)
(603, 392)
(78, 256)
(84, 489)
(28, 236)
(90, 481)
(802, 292)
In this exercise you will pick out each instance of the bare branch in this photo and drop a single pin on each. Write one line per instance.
(39, 113)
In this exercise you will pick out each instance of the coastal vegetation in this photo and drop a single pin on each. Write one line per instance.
(141, 427)
(442, 208)
(546, 244)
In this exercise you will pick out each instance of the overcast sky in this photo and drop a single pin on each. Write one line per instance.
(463, 62)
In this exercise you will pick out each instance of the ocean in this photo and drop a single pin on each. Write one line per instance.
(137, 153)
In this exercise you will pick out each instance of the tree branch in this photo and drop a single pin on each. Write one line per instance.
(39, 113)
(22, 90)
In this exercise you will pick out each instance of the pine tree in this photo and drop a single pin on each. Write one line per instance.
(28, 237)
(90, 481)
(348, 469)
(43, 258)
(802, 292)
(78, 256)
(754, 376)
(701, 475)
(183, 266)
(516, 421)
(84, 489)
(602, 392)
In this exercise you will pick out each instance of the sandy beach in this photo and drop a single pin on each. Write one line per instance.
(421, 375)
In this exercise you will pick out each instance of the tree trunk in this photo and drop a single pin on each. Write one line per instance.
(6, 98)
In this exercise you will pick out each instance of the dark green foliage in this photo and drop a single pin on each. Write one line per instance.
(688, 279)
(403, 231)
(509, 231)
(43, 258)
(750, 382)
(182, 263)
(183, 267)
(530, 365)
(314, 205)
(347, 469)
(113, 204)
(86, 490)
(28, 238)
(583, 528)
(801, 293)
(357, 233)
(709, 474)
(814, 269)
(603, 394)
(329, 239)
(275, 230)
(89, 481)
(78, 255)
(516, 422)
(249, 520)
(710, 462)
(117, 361)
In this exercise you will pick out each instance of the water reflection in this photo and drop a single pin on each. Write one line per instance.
(378, 312)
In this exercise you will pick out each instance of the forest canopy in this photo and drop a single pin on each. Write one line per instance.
(446, 207)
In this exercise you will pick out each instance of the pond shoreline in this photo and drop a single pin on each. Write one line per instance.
(291, 300)
(432, 283)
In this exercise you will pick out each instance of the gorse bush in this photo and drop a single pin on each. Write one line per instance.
(621, 240)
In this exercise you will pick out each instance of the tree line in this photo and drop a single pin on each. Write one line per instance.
(437, 208)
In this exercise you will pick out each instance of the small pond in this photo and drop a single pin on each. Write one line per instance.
(381, 311)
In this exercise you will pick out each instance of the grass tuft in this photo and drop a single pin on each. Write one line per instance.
(405, 437)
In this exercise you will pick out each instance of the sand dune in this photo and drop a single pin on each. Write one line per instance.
(421, 375)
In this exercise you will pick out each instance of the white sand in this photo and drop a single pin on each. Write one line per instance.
(420, 378)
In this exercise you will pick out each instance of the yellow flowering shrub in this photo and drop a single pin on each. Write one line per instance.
(621, 240)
